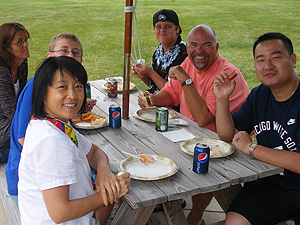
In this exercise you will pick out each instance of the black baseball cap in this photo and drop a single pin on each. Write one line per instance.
(166, 15)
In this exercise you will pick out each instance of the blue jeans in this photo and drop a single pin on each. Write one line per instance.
(4, 151)
(15, 198)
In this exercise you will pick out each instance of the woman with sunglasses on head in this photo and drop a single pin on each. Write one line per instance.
(14, 52)
(55, 183)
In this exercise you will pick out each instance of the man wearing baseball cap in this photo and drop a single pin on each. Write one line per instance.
(170, 52)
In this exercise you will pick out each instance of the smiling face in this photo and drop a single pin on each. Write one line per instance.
(64, 97)
(166, 33)
(19, 53)
(202, 48)
(274, 65)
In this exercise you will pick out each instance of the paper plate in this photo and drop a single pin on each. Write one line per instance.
(149, 114)
(88, 126)
(161, 168)
(120, 86)
(218, 148)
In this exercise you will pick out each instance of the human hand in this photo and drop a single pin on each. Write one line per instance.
(145, 99)
(124, 181)
(108, 185)
(224, 84)
(141, 71)
(89, 105)
(178, 73)
(242, 141)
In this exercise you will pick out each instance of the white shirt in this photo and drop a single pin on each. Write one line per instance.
(50, 159)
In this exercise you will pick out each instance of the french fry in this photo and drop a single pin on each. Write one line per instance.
(78, 120)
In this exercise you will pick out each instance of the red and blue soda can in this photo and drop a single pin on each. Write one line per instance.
(115, 116)
(201, 158)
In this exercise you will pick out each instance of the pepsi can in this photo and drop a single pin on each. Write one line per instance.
(115, 116)
(201, 158)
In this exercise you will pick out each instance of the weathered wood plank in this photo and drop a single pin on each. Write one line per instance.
(128, 216)
(10, 207)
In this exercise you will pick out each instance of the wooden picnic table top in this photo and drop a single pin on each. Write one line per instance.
(137, 136)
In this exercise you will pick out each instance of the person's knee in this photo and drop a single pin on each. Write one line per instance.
(233, 218)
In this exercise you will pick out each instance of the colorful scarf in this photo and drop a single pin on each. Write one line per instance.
(65, 128)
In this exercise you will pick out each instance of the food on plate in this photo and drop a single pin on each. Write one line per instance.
(146, 98)
(101, 121)
(147, 158)
(120, 86)
(88, 117)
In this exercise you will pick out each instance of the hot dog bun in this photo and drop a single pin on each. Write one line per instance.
(146, 98)
(147, 158)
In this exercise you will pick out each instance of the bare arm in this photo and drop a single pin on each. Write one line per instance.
(21, 140)
(196, 104)
(162, 98)
(223, 88)
(107, 183)
(61, 209)
(281, 158)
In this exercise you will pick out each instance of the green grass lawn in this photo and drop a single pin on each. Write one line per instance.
(100, 27)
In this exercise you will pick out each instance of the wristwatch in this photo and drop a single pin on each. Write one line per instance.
(251, 150)
(188, 81)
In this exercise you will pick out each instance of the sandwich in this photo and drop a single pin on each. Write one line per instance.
(146, 98)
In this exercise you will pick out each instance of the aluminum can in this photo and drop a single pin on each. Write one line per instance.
(88, 90)
(112, 85)
(161, 121)
(115, 116)
(201, 158)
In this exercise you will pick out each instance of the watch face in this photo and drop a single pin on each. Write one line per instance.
(188, 81)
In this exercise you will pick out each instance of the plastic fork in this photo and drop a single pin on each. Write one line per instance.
(135, 156)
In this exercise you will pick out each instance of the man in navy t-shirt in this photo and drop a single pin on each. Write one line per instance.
(272, 111)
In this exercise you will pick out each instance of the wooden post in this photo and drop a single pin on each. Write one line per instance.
(127, 54)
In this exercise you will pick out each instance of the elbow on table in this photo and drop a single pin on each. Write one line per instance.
(226, 138)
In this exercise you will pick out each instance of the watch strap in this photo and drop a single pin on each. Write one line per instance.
(251, 150)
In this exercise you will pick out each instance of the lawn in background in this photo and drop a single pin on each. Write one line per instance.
(100, 27)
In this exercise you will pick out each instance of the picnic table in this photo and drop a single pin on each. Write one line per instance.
(224, 177)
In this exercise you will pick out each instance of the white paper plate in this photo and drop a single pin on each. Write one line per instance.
(149, 114)
(161, 168)
(88, 126)
(120, 86)
(218, 148)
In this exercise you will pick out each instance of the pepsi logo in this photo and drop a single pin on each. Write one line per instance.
(203, 157)
(116, 115)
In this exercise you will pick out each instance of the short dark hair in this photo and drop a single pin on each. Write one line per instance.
(270, 36)
(44, 75)
(7, 34)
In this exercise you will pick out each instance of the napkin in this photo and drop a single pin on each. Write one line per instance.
(177, 121)
(178, 135)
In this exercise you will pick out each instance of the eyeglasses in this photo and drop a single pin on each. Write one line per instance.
(65, 52)
(21, 43)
